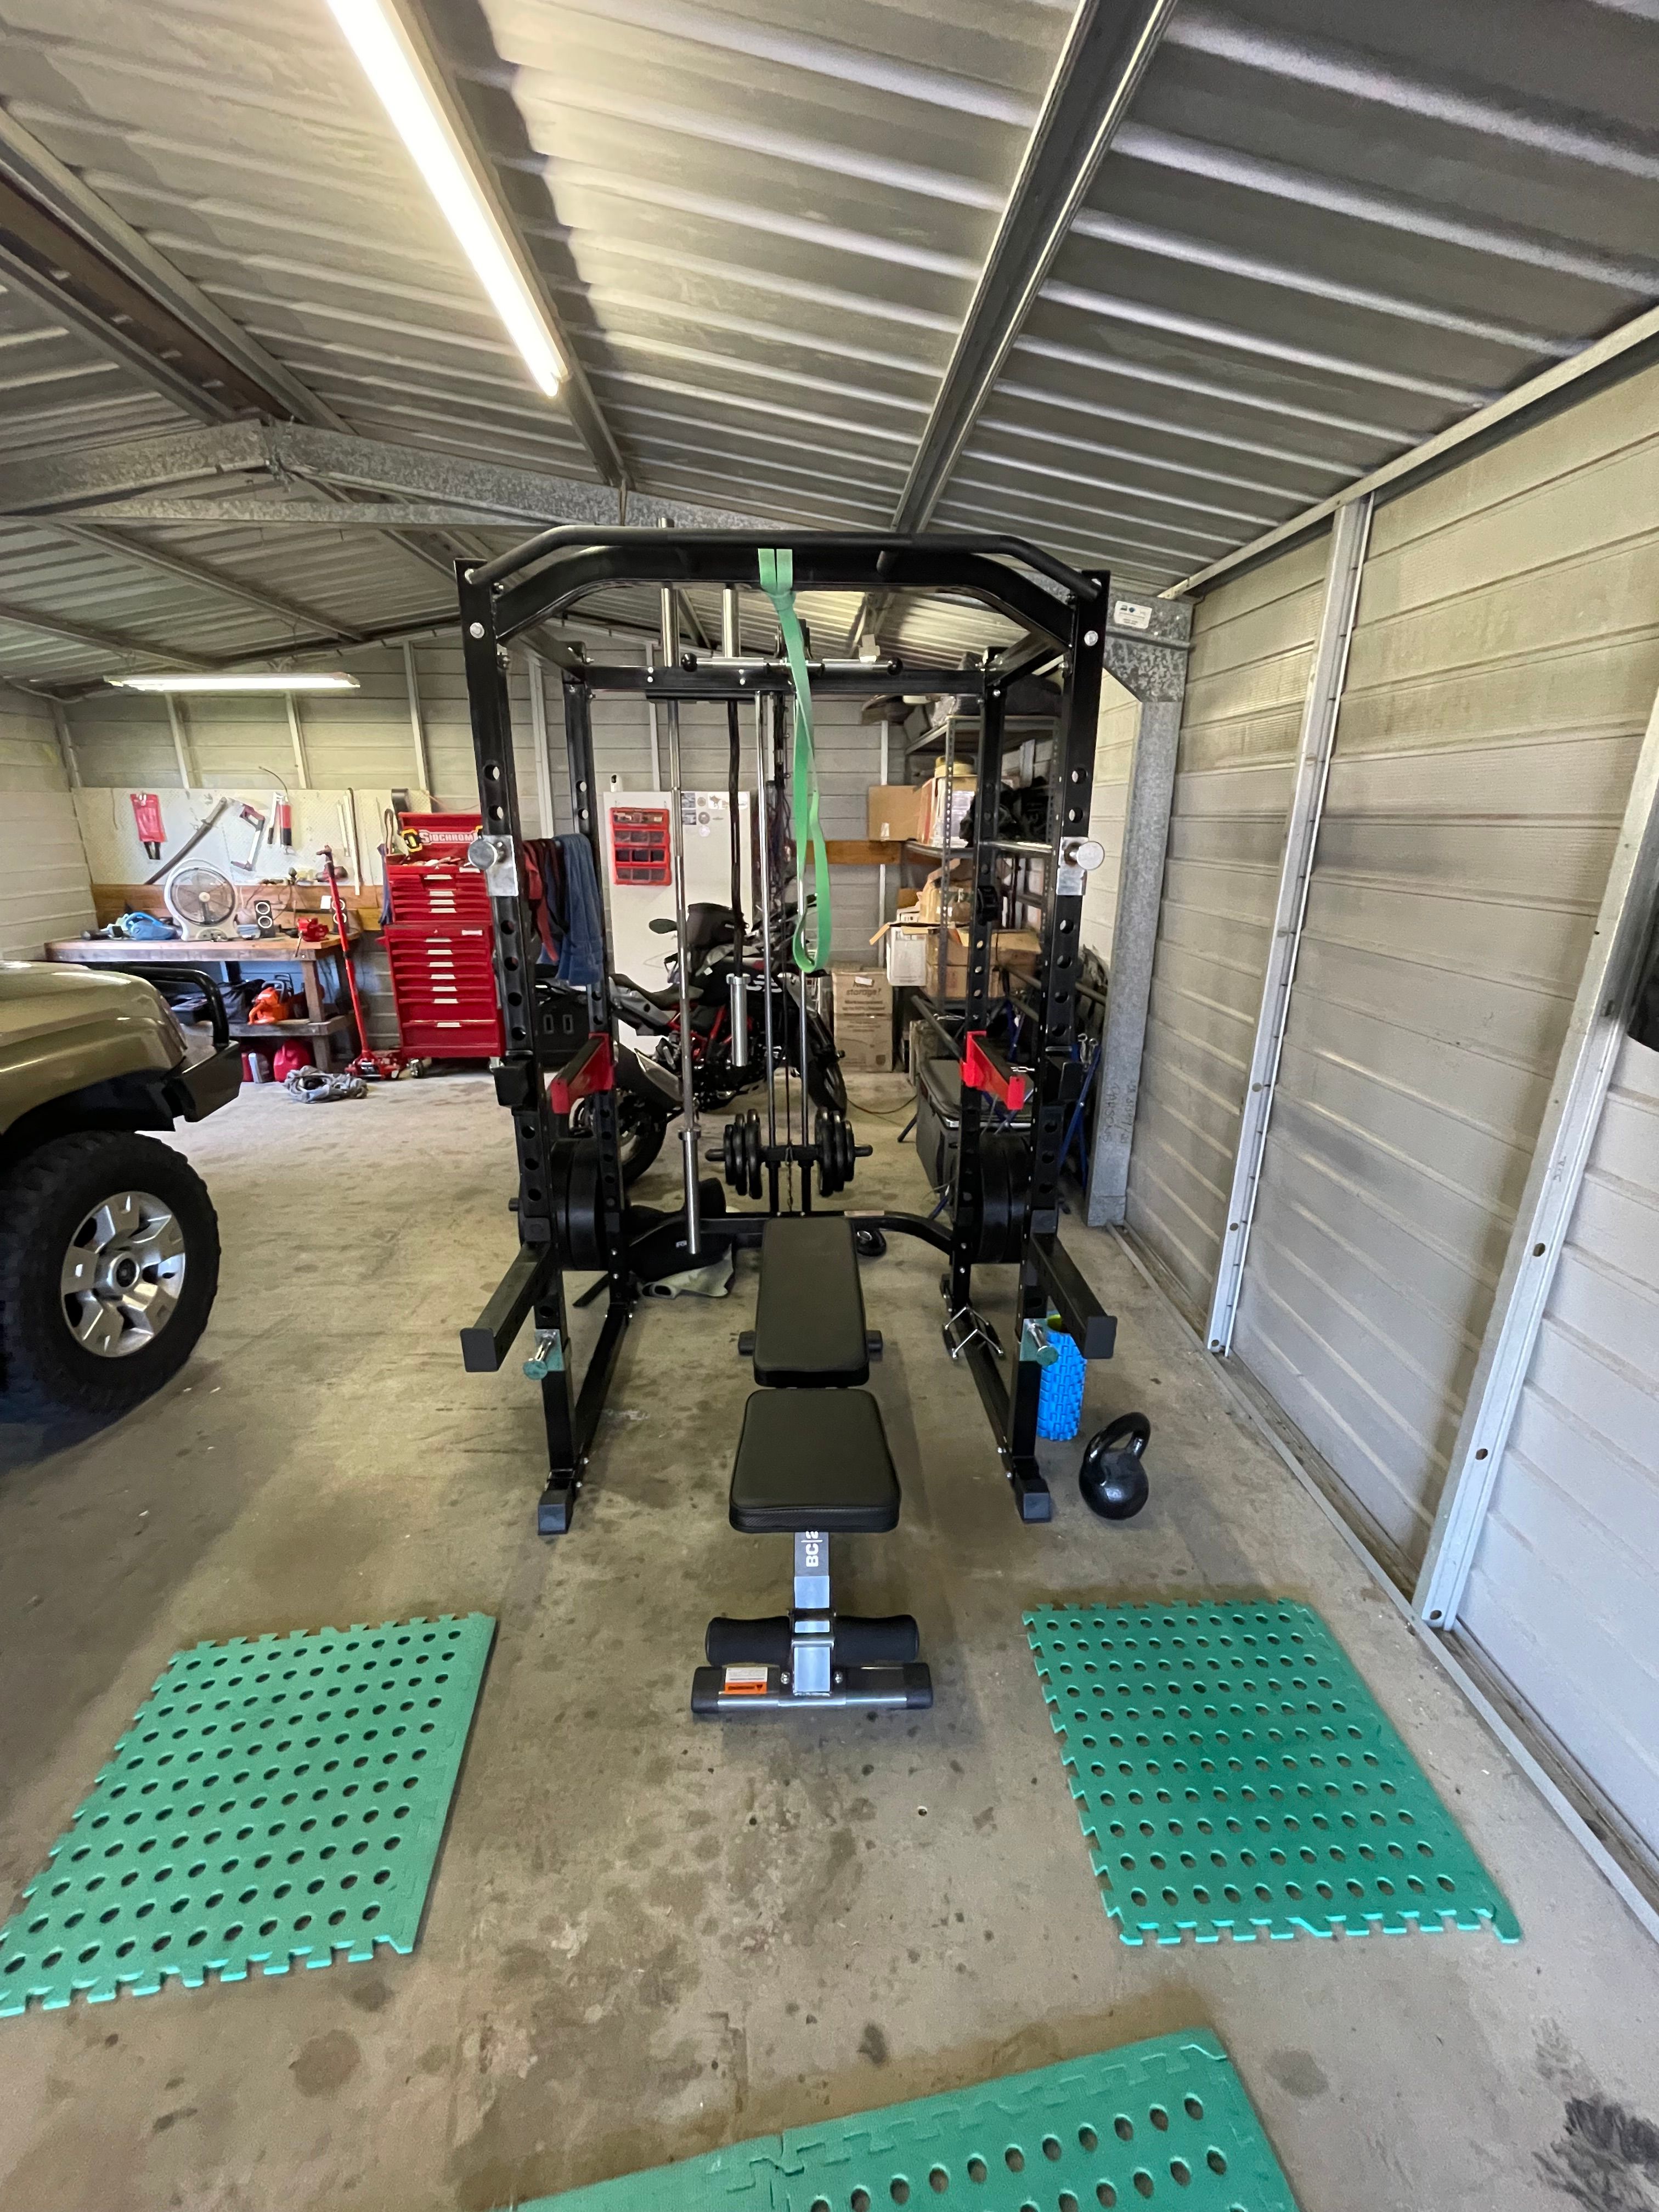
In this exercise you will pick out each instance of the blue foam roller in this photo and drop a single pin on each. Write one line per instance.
(1059, 1402)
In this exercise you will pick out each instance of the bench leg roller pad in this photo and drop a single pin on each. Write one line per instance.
(809, 1657)
(721, 1692)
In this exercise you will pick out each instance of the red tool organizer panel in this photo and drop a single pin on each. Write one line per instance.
(640, 852)
(440, 947)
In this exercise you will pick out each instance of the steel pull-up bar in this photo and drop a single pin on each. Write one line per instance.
(569, 536)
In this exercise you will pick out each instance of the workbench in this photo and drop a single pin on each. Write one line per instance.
(323, 1021)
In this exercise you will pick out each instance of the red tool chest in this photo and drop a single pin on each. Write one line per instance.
(440, 947)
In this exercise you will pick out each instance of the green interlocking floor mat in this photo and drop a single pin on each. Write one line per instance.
(1234, 1775)
(274, 1801)
(1167, 2121)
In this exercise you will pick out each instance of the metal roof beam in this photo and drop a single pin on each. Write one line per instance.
(60, 482)
(129, 481)
(61, 244)
(126, 643)
(1105, 55)
(190, 571)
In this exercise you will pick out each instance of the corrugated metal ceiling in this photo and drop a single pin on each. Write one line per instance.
(1325, 231)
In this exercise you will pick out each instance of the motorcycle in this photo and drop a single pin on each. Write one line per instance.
(648, 1092)
(647, 1098)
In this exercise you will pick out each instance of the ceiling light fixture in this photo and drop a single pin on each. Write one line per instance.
(394, 65)
(293, 681)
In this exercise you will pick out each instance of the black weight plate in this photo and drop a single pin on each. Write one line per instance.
(577, 1203)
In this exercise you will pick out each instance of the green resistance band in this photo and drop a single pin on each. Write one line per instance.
(812, 941)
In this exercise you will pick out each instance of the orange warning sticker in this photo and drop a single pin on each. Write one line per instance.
(745, 1682)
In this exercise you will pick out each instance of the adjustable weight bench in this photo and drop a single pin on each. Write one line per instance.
(808, 1331)
(812, 1461)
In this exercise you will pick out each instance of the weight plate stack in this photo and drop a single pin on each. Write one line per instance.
(834, 1142)
(743, 1160)
(996, 1203)
(578, 1202)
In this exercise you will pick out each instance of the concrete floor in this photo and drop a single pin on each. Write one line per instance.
(646, 1937)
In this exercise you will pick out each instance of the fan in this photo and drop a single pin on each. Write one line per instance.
(199, 899)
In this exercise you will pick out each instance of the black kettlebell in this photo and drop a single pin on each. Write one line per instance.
(1112, 1478)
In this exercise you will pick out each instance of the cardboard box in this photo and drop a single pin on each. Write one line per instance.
(860, 991)
(953, 984)
(930, 815)
(865, 1042)
(907, 955)
(892, 811)
(1017, 950)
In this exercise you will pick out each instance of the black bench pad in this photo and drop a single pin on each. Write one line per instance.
(813, 1459)
(809, 1318)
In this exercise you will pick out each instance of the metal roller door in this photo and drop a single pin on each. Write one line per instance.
(1504, 661)
(1252, 646)
(1562, 1601)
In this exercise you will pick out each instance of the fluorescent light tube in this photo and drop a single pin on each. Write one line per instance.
(381, 45)
(291, 682)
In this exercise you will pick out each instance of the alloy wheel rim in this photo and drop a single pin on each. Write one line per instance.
(122, 1274)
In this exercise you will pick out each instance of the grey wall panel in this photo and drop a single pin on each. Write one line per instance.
(1114, 744)
(1252, 643)
(1504, 658)
(45, 892)
(1563, 1598)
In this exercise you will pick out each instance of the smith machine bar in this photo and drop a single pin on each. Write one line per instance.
(572, 1212)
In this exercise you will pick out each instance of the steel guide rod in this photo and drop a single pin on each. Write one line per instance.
(677, 842)
(764, 832)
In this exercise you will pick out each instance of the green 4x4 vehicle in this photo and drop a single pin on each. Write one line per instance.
(109, 1245)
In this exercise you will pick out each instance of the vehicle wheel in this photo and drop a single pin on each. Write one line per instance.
(640, 1131)
(109, 1261)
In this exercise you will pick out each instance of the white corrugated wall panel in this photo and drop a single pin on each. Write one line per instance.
(1505, 659)
(1563, 1598)
(45, 892)
(1252, 645)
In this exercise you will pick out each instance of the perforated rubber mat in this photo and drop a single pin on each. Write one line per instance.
(274, 1803)
(1234, 1775)
(1166, 2122)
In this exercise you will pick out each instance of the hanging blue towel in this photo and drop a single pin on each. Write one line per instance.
(581, 957)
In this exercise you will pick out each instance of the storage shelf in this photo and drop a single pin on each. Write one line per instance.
(260, 1032)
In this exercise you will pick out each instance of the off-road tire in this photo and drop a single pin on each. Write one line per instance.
(44, 1198)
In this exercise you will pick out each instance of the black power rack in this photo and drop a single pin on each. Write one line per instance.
(571, 1205)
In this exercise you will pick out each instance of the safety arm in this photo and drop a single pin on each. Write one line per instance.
(985, 1068)
(591, 1068)
(485, 1345)
(1086, 1321)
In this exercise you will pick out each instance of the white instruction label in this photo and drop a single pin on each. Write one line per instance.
(1131, 614)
